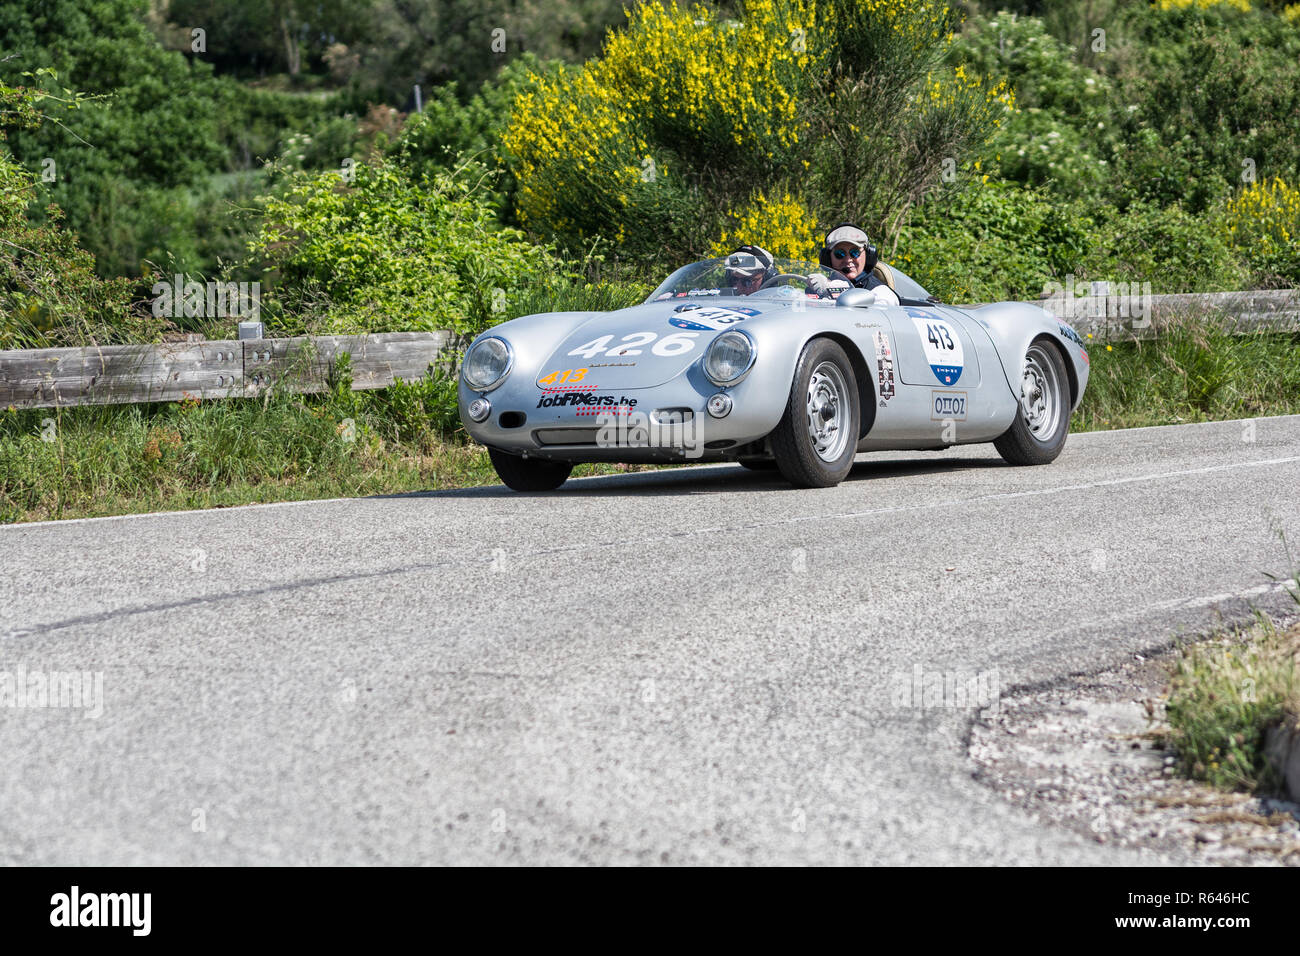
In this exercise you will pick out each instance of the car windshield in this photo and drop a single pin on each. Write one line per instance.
(742, 274)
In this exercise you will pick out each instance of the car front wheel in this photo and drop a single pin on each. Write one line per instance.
(529, 474)
(1042, 422)
(817, 437)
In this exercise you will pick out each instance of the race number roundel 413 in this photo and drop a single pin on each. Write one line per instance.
(942, 347)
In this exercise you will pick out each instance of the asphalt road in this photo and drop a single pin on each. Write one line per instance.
(696, 666)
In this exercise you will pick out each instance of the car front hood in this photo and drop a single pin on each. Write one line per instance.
(642, 346)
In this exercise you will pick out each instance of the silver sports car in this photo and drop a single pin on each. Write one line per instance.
(799, 375)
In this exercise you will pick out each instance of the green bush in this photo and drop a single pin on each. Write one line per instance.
(449, 131)
(988, 241)
(49, 292)
(1215, 89)
(389, 252)
(1171, 249)
(1063, 131)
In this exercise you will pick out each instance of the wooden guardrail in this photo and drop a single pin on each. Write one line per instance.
(1114, 317)
(124, 374)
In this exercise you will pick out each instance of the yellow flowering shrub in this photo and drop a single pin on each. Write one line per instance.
(945, 91)
(691, 128)
(597, 151)
(1291, 14)
(922, 23)
(1263, 223)
(697, 79)
(578, 152)
(1242, 5)
(782, 225)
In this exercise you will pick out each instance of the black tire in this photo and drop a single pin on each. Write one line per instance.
(529, 474)
(1042, 422)
(808, 452)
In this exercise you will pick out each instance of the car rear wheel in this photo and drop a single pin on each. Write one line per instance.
(817, 437)
(1042, 422)
(529, 474)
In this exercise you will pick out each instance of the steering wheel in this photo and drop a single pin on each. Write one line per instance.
(770, 283)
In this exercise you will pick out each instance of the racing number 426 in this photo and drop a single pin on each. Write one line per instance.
(936, 335)
(673, 344)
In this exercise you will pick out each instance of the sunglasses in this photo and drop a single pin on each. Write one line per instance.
(842, 254)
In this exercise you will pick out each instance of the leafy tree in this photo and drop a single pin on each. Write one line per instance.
(436, 42)
(277, 35)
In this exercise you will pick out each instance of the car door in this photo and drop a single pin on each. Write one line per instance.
(937, 355)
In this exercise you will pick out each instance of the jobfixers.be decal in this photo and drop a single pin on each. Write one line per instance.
(584, 399)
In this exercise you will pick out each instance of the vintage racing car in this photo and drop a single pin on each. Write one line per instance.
(801, 374)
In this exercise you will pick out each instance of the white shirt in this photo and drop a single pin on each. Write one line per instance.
(884, 295)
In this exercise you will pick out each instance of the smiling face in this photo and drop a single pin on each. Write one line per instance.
(848, 259)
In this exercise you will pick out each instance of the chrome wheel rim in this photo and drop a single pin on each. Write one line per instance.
(828, 411)
(1040, 393)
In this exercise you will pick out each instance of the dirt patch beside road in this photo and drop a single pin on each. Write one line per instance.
(1089, 755)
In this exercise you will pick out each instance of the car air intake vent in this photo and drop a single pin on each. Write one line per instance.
(565, 436)
(672, 416)
(511, 419)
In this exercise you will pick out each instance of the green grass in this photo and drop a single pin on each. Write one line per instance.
(1224, 696)
(1193, 373)
(105, 460)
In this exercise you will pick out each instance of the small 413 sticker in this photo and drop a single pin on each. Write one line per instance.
(570, 376)
(942, 346)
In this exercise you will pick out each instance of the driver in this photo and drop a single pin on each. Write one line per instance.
(847, 250)
(748, 268)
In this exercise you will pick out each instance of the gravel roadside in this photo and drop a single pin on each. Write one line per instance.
(1087, 754)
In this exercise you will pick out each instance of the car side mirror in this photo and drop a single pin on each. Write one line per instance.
(856, 299)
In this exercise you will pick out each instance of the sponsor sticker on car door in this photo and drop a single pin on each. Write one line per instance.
(947, 406)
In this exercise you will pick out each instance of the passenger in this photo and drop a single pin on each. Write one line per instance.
(748, 268)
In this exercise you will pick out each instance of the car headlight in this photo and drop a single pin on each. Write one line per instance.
(729, 357)
(487, 363)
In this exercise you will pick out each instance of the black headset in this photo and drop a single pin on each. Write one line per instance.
(870, 256)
